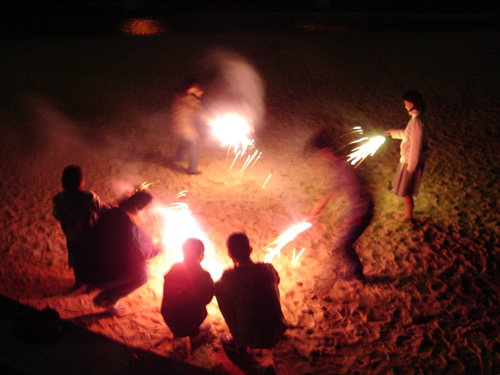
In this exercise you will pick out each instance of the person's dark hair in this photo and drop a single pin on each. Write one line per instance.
(238, 246)
(137, 201)
(413, 96)
(192, 249)
(72, 177)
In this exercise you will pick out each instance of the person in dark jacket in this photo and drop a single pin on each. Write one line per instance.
(118, 252)
(77, 211)
(355, 201)
(187, 289)
(249, 299)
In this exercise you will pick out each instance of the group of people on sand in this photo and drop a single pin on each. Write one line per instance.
(109, 252)
(187, 113)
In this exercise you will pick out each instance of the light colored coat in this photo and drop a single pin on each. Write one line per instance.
(413, 141)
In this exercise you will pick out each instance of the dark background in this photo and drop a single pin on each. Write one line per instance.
(22, 18)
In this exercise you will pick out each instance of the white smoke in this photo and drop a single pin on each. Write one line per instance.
(235, 86)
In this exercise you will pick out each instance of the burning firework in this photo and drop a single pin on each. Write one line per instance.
(360, 153)
(232, 131)
(174, 224)
(274, 248)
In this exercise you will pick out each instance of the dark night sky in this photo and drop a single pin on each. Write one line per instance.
(105, 6)
(23, 18)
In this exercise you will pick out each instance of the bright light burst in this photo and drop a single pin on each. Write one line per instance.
(360, 153)
(232, 131)
(274, 248)
(175, 224)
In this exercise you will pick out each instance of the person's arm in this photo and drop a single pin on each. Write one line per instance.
(320, 205)
(145, 244)
(56, 212)
(226, 304)
(98, 206)
(395, 133)
(207, 289)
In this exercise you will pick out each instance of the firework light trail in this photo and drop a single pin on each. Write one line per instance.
(274, 248)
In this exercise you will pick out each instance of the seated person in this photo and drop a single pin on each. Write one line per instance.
(249, 299)
(187, 289)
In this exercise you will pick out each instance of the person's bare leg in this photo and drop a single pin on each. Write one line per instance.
(408, 214)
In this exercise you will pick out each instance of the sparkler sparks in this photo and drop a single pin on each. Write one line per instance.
(295, 258)
(144, 186)
(360, 153)
(265, 183)
(232, 132)
(274, 248)
(174, 224)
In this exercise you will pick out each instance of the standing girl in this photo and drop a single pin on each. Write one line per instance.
(413, 147)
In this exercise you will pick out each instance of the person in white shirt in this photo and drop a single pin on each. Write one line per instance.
(413, 152)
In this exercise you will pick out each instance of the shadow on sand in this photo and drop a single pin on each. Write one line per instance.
(39, 342)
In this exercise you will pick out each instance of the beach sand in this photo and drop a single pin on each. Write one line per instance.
(431, 304)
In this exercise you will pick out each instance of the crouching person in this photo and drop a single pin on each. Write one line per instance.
(187, 290)
(249, 300)
(118, 251)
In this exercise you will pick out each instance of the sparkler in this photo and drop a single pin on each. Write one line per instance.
(274, 248)
(232, 131)
(360, 153)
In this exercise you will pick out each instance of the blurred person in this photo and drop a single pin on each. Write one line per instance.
(186, 111)
(118, 251)
(187, 289)
(249, 299)
(351, 190)
(413, 150)
(77, 211)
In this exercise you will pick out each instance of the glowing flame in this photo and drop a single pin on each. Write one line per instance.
(232, 131)
(360, 153)
(173, 224)
(274, 248)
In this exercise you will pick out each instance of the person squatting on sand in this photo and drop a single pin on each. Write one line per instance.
(117, 253)
(413, 152)
(77, 211)
(187, 289)
(249, 300)
(345, 181)
(186, 111)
